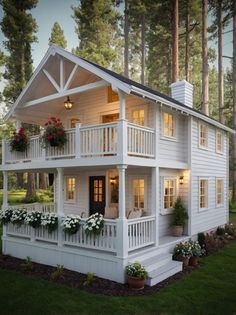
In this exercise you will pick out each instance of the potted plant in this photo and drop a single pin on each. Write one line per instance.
(137, 275)
(71, 224)
(34, 219)
(196, 251)
(5, 216)
(94, 224)
(49, 221)
(182, 252)
(18, 216)
(178, 218)
(54, 134)
(19, 141)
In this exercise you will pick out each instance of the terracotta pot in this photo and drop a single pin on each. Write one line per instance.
(193, 261)
(185, 260)
(136, 283)
(177, 230)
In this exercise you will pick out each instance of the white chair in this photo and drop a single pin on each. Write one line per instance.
(111, 212)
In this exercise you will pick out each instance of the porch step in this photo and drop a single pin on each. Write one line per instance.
(164, 272)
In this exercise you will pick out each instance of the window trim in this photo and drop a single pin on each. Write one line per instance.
(220, 205)
(145, 115)
(222, 142)
(65, 189)
(176, 193)
(163, 136)
(207, 135)
(132, 178)
(207, 194)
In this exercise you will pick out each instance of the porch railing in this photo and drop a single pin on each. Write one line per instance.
(42, 207)
(141, 232)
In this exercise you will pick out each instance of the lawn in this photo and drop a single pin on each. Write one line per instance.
(209, 290)
(17, 196)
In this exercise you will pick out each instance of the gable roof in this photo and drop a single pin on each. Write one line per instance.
(118, 81)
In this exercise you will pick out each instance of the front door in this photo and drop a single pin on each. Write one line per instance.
(97, 194)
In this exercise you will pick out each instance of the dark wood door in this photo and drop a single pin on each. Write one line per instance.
(97, 194)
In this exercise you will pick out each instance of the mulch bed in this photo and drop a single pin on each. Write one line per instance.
(76, 280)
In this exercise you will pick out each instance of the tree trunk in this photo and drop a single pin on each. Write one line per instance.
(31, 191)
(205, 102)
(20, 180)
(220, 64)
(126, 34)
(143, 48)
(175, 38)
(43, 181)
(187, 42)
(234, 100)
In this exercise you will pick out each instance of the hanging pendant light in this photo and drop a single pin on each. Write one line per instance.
(68, 104)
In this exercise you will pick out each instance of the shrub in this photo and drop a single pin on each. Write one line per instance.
(18, 216)
(196, 249)
(220, 231)
(58, 273)
(5, 216)
(54, 134)
(94, 224)
(179, 215)
(71, 224)
(232, 205)
(182, 249)
(201, 239)
(136, 270)
(230, 229)
(19, 141)
(50, 221)
(34, 219)
(90, 279)
(27, 265)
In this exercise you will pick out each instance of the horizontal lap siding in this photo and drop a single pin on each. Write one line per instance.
(210, 165)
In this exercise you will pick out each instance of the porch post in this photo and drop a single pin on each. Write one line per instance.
(18, 124)
(122, 127)
(77, 140)
(122, 223)
(5, 189)
(155, 201)
(121, 104)
(60, 203)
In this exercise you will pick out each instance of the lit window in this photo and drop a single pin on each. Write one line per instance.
(203, 194)
(168, 125)
(219, 192)
(219, 142)
(138, 117)
(169, 193)
(139, 187)
(70, 188)
(203, 136)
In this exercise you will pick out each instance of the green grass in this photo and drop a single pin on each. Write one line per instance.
(17, 196)
(232, 215)
(209, 290)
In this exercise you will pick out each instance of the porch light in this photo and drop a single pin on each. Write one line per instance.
(181, 180)
(68, 104)
(113, 180)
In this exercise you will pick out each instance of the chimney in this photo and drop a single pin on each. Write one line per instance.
(182, 91)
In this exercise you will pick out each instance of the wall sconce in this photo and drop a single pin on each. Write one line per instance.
(113, 180)
(181, 180)
(68, 104)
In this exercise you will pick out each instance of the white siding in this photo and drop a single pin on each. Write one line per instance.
(210, 165)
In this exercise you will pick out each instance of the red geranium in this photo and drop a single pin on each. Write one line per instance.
(19, 141)
(54, 134)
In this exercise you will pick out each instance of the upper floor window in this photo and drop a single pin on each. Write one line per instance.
(168, 125)
(219, 192)
(70, 189)
(219, 142)
(139, 192)
(169, 193)
(111, 95)
(203, 193)
(138, 117)
(203, 136)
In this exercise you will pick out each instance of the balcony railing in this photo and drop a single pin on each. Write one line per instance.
(89, 141)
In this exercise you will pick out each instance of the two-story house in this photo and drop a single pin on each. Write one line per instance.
(130, 152)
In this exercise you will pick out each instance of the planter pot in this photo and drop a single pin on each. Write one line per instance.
(193, 261)
(185, 260)
(177, 230)
(54, 143)
(136, 283)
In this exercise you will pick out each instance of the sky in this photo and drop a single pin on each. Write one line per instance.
(48, 12)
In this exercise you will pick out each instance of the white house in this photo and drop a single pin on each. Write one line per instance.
(130, 152)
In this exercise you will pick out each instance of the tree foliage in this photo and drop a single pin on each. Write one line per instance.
(57, 36)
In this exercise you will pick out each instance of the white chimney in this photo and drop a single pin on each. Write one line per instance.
(182, 91)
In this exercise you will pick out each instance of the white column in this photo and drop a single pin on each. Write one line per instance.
(122, 104)
(5, 189)
(122, 127)
(155, 201)
(4, 151)
(18, 124)
(77, 141)
(122, 224)
(60, 191)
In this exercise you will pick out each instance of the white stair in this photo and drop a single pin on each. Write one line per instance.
(159, 266)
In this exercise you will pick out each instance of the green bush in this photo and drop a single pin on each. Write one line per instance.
(179, 215)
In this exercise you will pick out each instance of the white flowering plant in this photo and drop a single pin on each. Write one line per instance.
(50, 221)
(5, 216)
(136, 270)
(196, 249)
(183, 249)
(18, 216)
(94, 224)
(71, 224)
(33, 219)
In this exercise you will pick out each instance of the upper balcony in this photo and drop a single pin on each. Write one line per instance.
(108, 139)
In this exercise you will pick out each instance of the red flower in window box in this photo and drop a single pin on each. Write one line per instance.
(19, 141)
(54, 134)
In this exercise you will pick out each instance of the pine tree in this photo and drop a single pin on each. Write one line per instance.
(97, 29)
(57, 36)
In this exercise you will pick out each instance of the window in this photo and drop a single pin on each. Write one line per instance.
(138, 117)
(73, 122)
(169, 193)
(98, 194)
(203, 132)
(111, 95)
(70, 189)
(139, 190)
(219, 192)
(203, 186)
(168, 125)
(219, 142)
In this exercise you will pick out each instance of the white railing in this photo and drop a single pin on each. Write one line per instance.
(98, 139)
(67, 151)
(22, 230)
(42, 234)
(106, 241)
(140, 141)
(33, 152)
(141, 232)
(42, 207)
